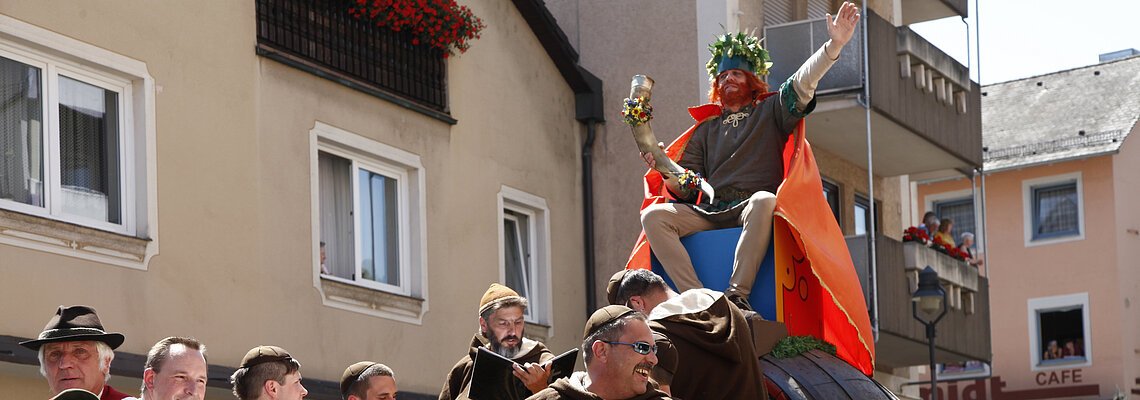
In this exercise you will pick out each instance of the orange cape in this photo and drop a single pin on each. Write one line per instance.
(820, 294)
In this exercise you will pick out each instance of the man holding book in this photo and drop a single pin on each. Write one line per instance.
(501, 327)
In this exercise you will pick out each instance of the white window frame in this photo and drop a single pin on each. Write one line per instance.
(408, 171)
(538, 213)
(1036, 305)
(56, 55)
(1027, 188)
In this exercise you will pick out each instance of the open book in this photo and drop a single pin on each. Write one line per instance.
(493, 375)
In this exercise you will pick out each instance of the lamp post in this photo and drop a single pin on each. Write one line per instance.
(931, 299)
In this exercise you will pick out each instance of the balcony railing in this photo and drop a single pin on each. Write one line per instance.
(320, 36)
(964, 334)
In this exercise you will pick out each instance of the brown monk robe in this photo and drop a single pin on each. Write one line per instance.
(459, 379)
(574, 388)
(715, 352)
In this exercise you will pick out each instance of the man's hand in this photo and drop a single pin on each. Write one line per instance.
(843, 25)
(536, 377)
(648, 157)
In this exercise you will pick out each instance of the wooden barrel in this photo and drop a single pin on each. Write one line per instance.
(817, 375)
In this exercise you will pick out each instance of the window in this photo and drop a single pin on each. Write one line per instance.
(76, 133)
(525, 256)
(961, 211)
(1059, 331)
(368, 215)
(863, 215)
(1053, 209)
(831, 194)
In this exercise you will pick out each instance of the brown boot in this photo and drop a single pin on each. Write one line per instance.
(738, 297)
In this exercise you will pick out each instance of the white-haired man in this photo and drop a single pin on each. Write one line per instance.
(75, 352)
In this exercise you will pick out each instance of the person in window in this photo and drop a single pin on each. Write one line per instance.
(367, 380)
(1052, 351)
(929, 223)
(737, 149)
(324, 257)
(967, 247)
(619, 353)
(712, 336)
(501, 327)
(944, 229)
(75, 353)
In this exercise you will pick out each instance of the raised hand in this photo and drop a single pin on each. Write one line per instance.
(842, 27)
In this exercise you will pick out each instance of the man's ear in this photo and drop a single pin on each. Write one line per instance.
(636, 303)
(270, 388)
(148, 378)
(600, 350)
(482, 326)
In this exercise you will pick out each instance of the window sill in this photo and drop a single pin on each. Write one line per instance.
(44, 234)
(373, 302)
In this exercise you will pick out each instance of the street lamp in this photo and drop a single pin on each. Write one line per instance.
(931, 299)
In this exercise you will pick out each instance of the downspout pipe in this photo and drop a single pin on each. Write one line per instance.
(873, 284)
(590, 111)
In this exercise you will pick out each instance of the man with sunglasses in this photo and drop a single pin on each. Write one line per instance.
(619, 353)
(716, 354)
(501, 328)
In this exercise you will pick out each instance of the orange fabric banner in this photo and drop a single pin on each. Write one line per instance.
(820, 291)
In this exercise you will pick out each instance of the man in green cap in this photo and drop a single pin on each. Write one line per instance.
(619, 351)
(501, 327)
(736, 147)
(268, 373)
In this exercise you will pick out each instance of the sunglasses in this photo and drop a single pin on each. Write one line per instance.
(642, 348)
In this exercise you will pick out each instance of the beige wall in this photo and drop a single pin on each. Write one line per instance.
(236, 259)
(1093, 265)
(1126, 214)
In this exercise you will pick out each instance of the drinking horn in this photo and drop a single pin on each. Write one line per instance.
(647, 143)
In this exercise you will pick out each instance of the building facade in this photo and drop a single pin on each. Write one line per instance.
(179, 167)
(1060, 190)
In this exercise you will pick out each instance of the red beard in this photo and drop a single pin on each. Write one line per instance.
(735, 99)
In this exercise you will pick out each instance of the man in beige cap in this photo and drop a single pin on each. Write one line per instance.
(619, 353)
(268, 373)
(712, 336)
(501, 327)
(175, 369)
(367, 380)
(75, 352)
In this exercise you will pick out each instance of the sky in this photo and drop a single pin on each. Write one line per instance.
(1023, 38)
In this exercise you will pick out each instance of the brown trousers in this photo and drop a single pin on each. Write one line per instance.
(665, 224)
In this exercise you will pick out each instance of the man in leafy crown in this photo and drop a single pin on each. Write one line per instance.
(737, 147)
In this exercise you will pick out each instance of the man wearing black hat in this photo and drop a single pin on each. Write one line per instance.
(268, 373)
(501, 325)
(619, 353)
(367, 380)
(712, 336)
(75, 352)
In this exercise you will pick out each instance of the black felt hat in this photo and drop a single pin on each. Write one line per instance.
(75, 394)
(74, 323)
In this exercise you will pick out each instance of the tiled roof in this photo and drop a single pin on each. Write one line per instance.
(1081, 112)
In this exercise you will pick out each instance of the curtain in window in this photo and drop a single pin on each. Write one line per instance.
(1056, 210)
(335, 191)
(89, 150)
(21, 134)
(959, 211)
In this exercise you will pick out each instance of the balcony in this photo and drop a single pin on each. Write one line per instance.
(964, 334)
(915, 11)
(925, 111)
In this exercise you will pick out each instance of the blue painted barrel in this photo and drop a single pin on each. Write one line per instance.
(712, 253)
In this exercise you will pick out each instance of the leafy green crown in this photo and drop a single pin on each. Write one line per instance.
(740, 44)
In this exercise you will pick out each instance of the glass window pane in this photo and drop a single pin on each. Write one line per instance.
(1055, 210)
(861, 220)
(335, 187)
(379, 236)
(89, 150)
(960, 211)
(516, 246)
(21, 133)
